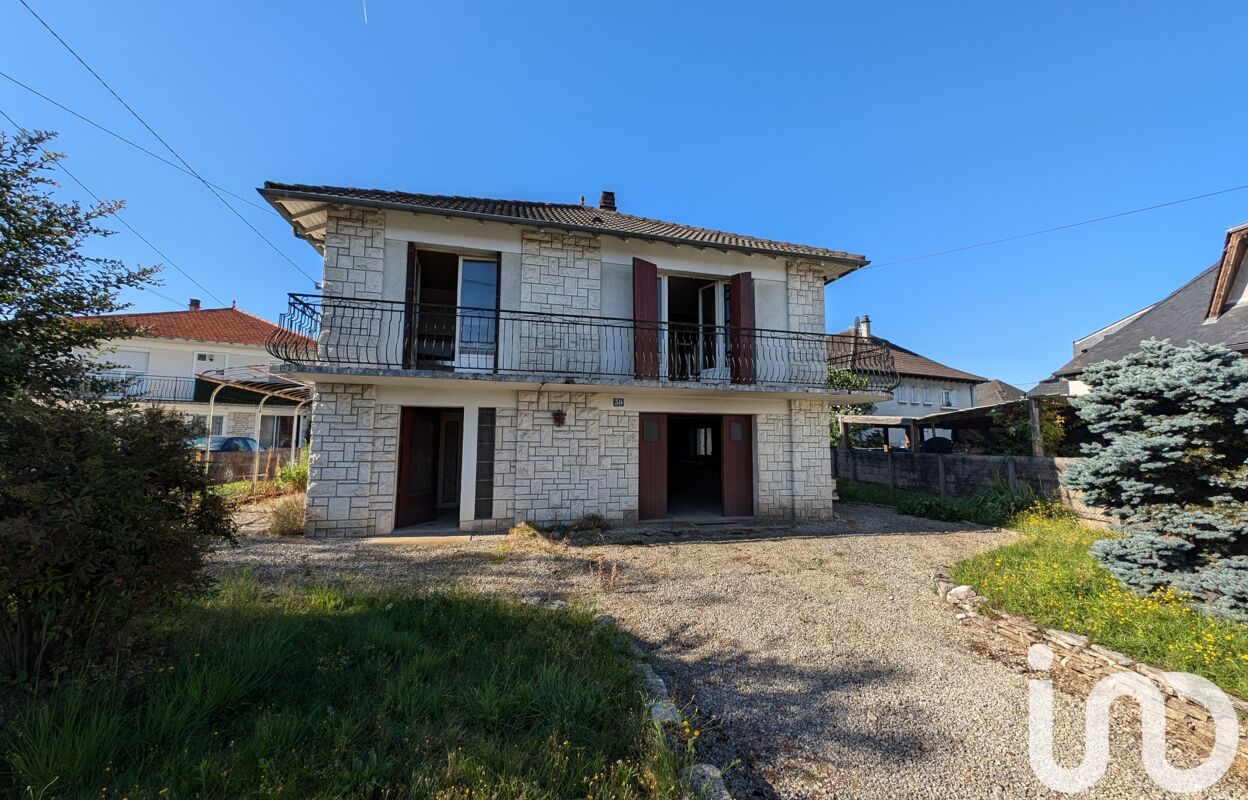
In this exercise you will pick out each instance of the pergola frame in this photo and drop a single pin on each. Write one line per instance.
(262, 381)
(941, 419)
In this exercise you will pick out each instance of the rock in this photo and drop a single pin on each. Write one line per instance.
(665, 711)
(707, 782)
(1066, 638)
(959, 594)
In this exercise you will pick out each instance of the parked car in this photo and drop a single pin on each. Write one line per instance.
(226, 444)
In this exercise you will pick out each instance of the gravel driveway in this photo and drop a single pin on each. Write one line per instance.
(819, 663)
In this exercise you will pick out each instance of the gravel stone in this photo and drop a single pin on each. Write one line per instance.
(817, 663)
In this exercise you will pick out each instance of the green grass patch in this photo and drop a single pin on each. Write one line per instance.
(321, 692)
(994, 505)
(1049, 577)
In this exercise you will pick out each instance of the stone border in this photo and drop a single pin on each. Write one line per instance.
(1084, 661)
(706, 779)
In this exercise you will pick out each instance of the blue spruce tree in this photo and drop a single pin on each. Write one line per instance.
(1173, 467)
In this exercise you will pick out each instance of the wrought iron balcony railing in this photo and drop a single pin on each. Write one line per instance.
(329, 332)
(155, 388)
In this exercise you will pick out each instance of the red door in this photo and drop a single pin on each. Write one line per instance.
(645, 320)
(738, 465)
(417, 499)
(741, 327)
(652, 469)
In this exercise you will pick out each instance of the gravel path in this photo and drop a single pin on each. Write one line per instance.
(820, 664)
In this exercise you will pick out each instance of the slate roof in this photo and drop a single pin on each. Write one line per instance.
(908, 362)
(569, 216)
(992, 392)
(1179, 318)
(228, 325)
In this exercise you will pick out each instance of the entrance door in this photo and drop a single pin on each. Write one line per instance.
(417, 499)
(652, 467)
(738, 465)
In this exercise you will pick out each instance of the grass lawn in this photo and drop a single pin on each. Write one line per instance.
(1049, 577)
(322, 693)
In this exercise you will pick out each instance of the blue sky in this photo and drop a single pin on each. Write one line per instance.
(892, 130)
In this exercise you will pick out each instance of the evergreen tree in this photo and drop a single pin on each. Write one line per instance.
(1173, 466)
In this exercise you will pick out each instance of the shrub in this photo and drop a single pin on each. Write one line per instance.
(1173, 467)
(590, 522)
(293, 477)
(288, 515)
(105, 514)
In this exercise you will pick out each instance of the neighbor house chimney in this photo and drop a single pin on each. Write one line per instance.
(193, 305)
(607, 201)
(864, 326)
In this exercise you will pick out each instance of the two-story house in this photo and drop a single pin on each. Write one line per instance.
(481, 362)
(163, 360)
(925, 386)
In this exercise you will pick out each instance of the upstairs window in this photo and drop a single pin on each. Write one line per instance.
(946, 398)
(927, 395)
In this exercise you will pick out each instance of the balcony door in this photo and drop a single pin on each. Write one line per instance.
(451, 311)
(694, 312)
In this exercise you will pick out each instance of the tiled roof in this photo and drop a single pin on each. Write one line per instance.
(560, 215)
(990, 393)
(202, 325)
(1181, 318)
(908, 362)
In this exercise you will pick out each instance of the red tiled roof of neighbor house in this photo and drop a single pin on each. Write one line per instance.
(603, 218)
(199, 325)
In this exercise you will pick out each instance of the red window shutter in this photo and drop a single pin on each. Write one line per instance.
(741, 326)
(645, 320)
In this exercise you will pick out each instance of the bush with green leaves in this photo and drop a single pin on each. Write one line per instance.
(293, 477)
(103, 512)
(1172, 465)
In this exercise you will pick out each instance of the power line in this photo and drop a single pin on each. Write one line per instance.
(1056, 228)
(132, 143)
(161, 139)
(120, 219)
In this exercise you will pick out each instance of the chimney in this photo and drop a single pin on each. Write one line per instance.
(863, 325)
(607, 201)
(193, 305)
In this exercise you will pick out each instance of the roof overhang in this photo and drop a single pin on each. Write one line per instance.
(307, 213)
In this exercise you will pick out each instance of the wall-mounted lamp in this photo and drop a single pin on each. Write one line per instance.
(559, 416)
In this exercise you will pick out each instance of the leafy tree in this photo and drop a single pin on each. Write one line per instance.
(103, 512)
(860, 435)
(1173, 466)
(1010, 433)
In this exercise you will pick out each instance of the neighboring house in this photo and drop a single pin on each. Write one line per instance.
(1211, 308)
(171, 348)
(481, 362)
(995, 392)
(926, 386)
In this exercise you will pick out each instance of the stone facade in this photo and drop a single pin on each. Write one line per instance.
(351, 470)
(804, 280)
(560, 273)
(814, 490)
(794, 471)
(355, 249)
(618, 464)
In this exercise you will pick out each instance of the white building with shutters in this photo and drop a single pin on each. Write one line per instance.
(482, 362)
(171, 349)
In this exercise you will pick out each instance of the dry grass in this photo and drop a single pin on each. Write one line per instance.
(288, 515)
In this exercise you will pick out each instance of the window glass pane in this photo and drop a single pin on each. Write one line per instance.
(736, 431)
(650, 431)
(478, 290)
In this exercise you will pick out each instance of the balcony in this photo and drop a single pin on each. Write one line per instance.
(152, 388)
(346, 334)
